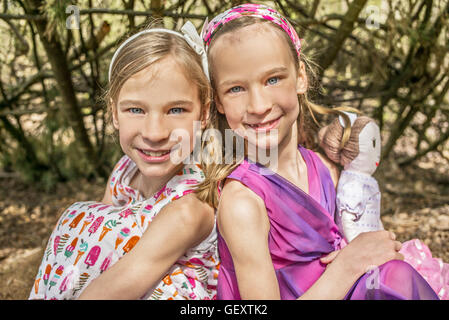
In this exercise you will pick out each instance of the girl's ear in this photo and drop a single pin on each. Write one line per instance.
(301, 79)
(205, 116)
(114, 115)
(219, 106)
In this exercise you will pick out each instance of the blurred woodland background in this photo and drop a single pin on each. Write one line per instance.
(387, 58)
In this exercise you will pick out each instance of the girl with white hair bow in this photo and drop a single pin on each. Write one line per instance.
(150, 237)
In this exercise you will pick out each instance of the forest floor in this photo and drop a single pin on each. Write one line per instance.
(415, 204)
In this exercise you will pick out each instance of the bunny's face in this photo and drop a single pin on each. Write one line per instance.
(369, 150)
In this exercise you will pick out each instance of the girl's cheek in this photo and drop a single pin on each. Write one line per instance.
(233, 112)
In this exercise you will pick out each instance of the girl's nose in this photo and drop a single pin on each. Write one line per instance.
(259, 103)
(155, 129)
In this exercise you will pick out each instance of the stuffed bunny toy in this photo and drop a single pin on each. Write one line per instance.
(358, 195)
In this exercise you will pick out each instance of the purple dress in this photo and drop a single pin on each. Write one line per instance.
(302, 230)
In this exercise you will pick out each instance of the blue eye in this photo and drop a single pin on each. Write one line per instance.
(176, 110)
(236, 89)
(135, 110)
(273, 80)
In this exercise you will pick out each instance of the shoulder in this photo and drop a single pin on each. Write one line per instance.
(240, 207)
(191, 217)
(333, 169)
(236, 195)
(192, 211)
(348, 183)
(187, 219)
(351, 191)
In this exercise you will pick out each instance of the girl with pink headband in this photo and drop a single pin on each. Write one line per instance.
(277, 236)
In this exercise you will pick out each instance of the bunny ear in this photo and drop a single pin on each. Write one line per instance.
(352, 117)
(194, 40)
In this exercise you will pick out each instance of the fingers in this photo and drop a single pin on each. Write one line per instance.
(397, 245)
(392, 235)
(385, 233)
(330, 257)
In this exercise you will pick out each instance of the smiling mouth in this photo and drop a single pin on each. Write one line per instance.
(265, 126)
(154, 153)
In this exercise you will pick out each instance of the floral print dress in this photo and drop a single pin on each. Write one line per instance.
(91, 236)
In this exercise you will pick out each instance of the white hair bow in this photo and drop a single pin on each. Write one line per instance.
(194, 40)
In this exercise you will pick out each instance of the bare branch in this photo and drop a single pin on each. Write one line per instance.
(149, 13)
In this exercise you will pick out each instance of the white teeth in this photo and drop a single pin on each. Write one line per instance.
(262, 125)
(155, 153)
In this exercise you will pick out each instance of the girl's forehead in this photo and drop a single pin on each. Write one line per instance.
(257, 35)
(163, 74)
(157, 72)
(249, 58)
(262, 30)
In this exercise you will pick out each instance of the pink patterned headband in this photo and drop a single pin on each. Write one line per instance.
(252, 10)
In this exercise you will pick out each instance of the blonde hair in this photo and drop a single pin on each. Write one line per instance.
(147, 50)
(216, 173)
(331, 140)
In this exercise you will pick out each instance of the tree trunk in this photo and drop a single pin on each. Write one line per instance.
(56, 57)
(343, 32)
(30, 154)
(398, 129)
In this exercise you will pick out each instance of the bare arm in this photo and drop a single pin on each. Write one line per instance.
(365, 251)
(180, 225)
(243, 223)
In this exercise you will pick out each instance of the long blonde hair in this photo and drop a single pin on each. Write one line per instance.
(216, 173)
